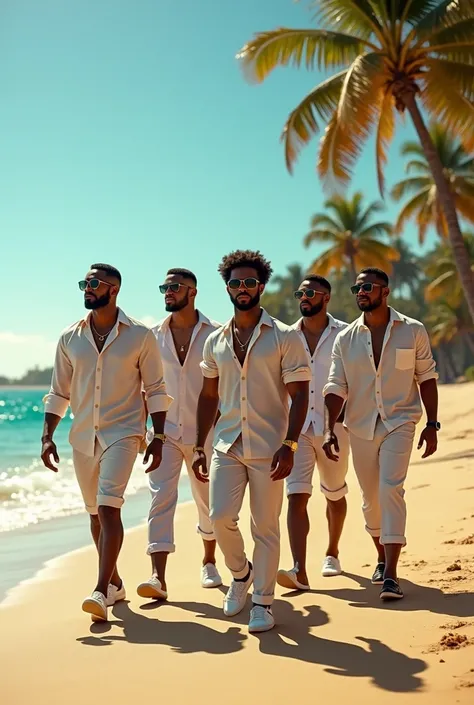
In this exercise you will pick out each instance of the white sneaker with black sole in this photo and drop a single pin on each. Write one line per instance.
(261, 619)
(236, 597)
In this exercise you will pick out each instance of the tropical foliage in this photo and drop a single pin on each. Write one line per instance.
(387, 56)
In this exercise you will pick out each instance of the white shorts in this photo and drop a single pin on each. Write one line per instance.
(104, 477)
(332, 475)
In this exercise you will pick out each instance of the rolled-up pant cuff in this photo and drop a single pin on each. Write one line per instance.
(299, 488)
(373, 532)
(105, 501)
(239, 574)
(334, 495)
(206, 535)
(393, 539)
(264, 600)
(160, 548)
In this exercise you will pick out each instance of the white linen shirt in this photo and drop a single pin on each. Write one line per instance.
(104, 389)
(390, 391)
(183, 382)
(253, 396)
(320, 362)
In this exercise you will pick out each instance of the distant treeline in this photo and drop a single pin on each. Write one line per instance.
(33, 377)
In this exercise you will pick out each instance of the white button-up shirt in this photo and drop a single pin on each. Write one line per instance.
(183, 382)
(253, 396)
(104, 389)
(320, 362)
(389, 391)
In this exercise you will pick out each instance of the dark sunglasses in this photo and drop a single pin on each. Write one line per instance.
(175, 287)
(309, 293)
(368, 287)
(248, 283)
(92, 283)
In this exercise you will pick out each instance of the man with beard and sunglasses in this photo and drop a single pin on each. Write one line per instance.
(181, 337)
(251, 366)
(381, 365)
(317, 330)
(102, 364)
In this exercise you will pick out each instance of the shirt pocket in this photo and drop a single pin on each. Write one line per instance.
(405, 358)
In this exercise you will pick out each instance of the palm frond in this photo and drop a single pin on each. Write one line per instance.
(385, 130)
(330, 260)
(447, 33)
(417, 165)
(410, 148)
(375, 247)
(461, 76)
(322, 220)
(283, 46)
(411, 185)
(302, 123)
(377, 229)
(436, 16)
(411, 209)
(443, 100)
(357, 17)
(319, 236)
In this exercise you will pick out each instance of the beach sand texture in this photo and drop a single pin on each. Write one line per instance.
(338, 643)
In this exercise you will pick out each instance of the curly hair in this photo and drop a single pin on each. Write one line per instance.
(246, 258)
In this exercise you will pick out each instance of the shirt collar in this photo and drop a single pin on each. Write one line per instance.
(395, 317)
(265, 320)
(121, 318)
(332, 323)
(202, 320)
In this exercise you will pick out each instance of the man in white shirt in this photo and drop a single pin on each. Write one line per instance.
(250, 366)
(317, 330)
(381, 364)
(181, 337)
(102, 363)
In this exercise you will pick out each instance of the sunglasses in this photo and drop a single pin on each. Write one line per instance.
(367, 287)
(175, 287)
(309, 293)
(92, 283)
(248, 283)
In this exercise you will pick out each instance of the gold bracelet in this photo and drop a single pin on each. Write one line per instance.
(160, 437)
(292, 445)
(196, 448)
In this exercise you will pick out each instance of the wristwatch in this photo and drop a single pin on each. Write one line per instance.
(159, 437)
(434, 424)
(292, 445)
(196, 448)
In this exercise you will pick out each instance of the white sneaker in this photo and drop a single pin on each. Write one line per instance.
(115, 594)
(96, 605)
(288, 579)
(261, 619)
(210, 577)
(152, 589)
(234, 601)
(331, 566)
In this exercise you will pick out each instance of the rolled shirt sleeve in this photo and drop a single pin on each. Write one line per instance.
(294, 360)
(208, 364)
(337, 381)
(57, 400)
(151, 371)
(425, 366)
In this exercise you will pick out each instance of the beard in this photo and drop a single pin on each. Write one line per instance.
(312, 310)
(98, 302)
(178, 305)
(247, 305)
(370, 305)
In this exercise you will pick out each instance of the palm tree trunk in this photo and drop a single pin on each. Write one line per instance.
(460, 252)
(352, 268)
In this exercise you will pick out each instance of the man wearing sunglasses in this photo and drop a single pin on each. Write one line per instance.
(381, 364)
(250, 365)
(317, 330)
(102, 363)
(181, 337)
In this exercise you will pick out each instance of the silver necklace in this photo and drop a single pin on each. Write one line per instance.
(100, 337)
(241, 344)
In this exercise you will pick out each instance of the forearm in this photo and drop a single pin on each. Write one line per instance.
(298, 411)
(206, 417)
(429, 397)
(51, 422)
(158, 419)
(333, 405)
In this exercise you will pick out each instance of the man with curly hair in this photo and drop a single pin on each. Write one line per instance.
(250, 366)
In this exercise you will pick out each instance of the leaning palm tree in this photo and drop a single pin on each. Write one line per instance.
(424, 205)
(440, 270)
(353, 237)
(407, 273)
(390, 55)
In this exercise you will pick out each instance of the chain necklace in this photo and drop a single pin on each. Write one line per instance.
(241, 344)
(100, 337)
(182, 348)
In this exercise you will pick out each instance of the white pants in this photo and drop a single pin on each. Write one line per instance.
(381, 467)
(332, 476)
(164, 497)
(229, 475)
(103, 478)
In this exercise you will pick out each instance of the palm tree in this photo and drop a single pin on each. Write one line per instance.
(353, 237)
(390, 55)
(441, 272)
(407, 273)
(424, 204)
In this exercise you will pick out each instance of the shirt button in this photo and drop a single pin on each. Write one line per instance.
(243, 377)
(312, 392)
(96, 428)
(244, 418)
(97, 387)
(96, 406)
(312, 408)
(243, 398)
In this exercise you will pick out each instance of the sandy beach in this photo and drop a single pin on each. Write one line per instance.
(337, 643)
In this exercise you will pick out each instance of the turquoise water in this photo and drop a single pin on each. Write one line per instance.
(29, 493)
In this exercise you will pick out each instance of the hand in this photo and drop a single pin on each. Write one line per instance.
(429, 435)
(330, 439)
(49, 449)
(200, 466)
(155, 451)
(282, 463)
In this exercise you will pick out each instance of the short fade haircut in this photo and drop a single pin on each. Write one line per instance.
(377, 272)
(246, 258)
(185, 273)
(108, 269)
(319, 280)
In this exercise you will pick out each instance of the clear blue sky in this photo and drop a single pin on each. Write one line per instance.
(128, 134)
